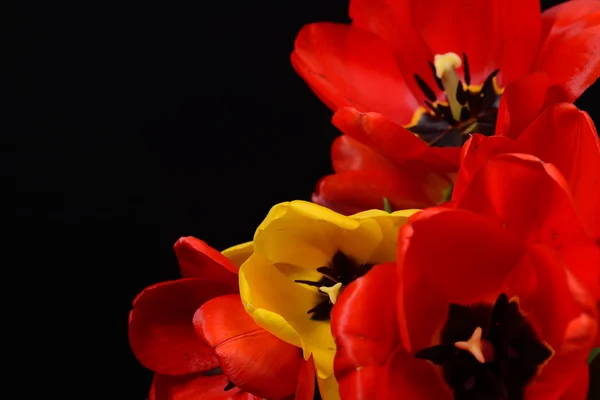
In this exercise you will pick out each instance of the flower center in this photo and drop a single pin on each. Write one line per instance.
(467, 108)
(488, 352)
(340, 272)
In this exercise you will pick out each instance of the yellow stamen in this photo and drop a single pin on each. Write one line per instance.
(481, 349)
(445, 69)
(333, 291)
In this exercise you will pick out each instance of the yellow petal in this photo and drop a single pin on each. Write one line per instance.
(239, 253)
(266, 291)
(329, 388)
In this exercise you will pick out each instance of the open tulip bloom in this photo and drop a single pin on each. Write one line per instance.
(455, 252)
(410, 80)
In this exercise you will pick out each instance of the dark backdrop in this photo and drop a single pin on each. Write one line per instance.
(140, 122)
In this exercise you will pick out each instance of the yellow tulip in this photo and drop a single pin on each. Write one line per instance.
(304, 255)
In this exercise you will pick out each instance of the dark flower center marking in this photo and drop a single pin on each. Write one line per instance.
(467, 109)
(218, 371)
(340, 272)
(504, 352)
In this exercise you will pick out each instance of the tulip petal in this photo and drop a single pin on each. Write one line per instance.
(239, 253)
(406, 377)
(248, 355)
(565, 137)
(522, 101)
(352, 191)
(521, 29)
(195, 387)
(563, 313)
(348, 154)
(475, 153)
(436, 270)
(161, 333)
(306, 381)
(508, 183)
(461, 26)
(391, 20)
(578, 389)
(328, 388)
(570, 50)
(347, 66)
(199, 260)
(364, 327)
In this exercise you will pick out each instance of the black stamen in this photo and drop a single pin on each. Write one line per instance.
(465, 114)
(427, 91)
(213, 372)
(229, 386)
(439, 355)
(321, 311)
(466, 70)
(309, 283)
(330, 272)
(438, 81)
(430, 106)
(488, 92)
(461, 96)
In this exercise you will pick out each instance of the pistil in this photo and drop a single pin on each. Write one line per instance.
(445, 70)
(333, 291)
(481, 349)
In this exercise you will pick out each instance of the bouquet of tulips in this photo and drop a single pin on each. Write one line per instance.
(455, 251)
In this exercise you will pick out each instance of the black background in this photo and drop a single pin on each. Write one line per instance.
(138, 122)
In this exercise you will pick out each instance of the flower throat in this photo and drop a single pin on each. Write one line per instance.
(467, 109)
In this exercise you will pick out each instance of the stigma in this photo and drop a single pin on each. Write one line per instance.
(445, 70)
(333, 292)
(481, 349)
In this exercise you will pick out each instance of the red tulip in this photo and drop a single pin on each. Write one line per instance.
(202, 345)
(411, 79)
(497, 297)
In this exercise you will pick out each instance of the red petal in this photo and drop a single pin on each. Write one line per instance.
(407, 377)
(475, 153)
(578, 389)
(387, 138)
(249, 356)
(448, 255)
(364, 327)
(199, 260)
(351, 67)
(195, 387)
(566, 138)
(521, 26)
(521, 102)
(391, 20)
(306, 380)
(570, 51)
(563, 313)
(354, 191)
(529, 198)
(161, 333)
(437, 21)
(348, 154)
